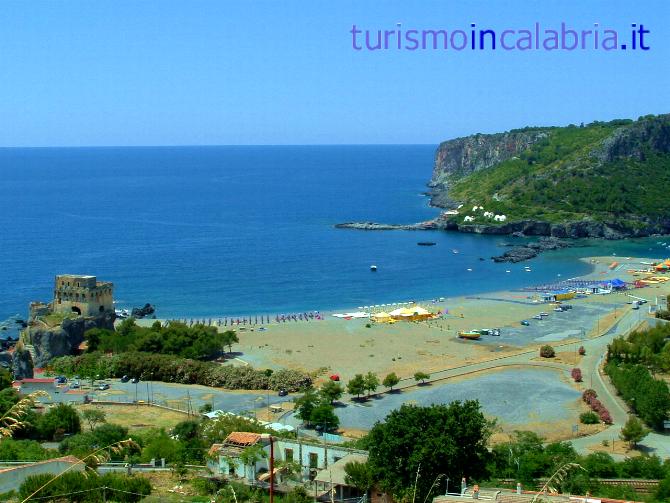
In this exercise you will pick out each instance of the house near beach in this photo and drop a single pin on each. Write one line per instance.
(245, 457)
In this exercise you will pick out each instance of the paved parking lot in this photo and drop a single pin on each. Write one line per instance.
(175, 395)
(553, 328)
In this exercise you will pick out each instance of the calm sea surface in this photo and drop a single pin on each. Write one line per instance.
(212, 231)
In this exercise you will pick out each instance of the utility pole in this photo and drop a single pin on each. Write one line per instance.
(272, 468)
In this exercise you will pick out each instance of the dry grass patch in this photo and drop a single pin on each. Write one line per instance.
(615, 447)
(138, 417)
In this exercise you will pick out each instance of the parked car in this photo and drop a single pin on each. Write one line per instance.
(75, 385)
(125, 379)
(103, 386)
(282, 392)
(135, 380)
(537, 317)
(60, 380)
(525, 323)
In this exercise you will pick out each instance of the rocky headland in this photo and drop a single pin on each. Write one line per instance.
(40, 342)
(602, 180)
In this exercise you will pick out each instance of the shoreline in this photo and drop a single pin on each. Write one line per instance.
(328, 313)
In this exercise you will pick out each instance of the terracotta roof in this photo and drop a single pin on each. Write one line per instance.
(214, 449)
(44, 380)
(242, 438)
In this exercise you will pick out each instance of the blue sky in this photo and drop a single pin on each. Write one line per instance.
(283, 72)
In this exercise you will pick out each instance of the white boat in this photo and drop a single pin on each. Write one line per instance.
(373, 267)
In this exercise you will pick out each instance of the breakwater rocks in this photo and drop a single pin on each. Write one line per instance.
(531, 250)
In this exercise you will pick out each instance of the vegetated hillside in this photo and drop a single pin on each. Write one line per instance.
(614, 174)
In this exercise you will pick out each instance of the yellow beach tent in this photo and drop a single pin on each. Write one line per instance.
(411, 313)
(381, 317)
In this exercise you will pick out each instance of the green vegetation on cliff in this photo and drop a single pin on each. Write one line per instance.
(616, 172)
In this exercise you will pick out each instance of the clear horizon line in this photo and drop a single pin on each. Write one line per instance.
(188, 145)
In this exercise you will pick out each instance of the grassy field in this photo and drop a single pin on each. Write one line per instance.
(138, 417)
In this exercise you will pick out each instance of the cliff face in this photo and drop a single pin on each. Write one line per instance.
(605, 179)
(458, 158)
(63, 340)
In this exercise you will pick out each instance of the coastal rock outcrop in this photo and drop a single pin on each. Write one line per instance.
(49, 342)
(22, 364)
(6, 360)
(374, 226)
(519, 253)
(141, 312)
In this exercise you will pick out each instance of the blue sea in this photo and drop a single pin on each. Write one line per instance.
(216, 231)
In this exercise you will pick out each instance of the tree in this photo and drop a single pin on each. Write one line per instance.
(547, 351)
(421, 376)
(5, 378)
(228, 338)
(432, 440)
(324, 415)
(161, 446)
(62, 419)
(305, 405)
(359, 475)
(389, 381)
(252, 455)
(601, 465)
(371, 382)
(356, 385)
(331, 391)
(93, 417)
(633, 431)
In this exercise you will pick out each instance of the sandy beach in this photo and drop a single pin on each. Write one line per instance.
(347, 347)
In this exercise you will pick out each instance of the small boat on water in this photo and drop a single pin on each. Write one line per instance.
(454, 251)
(426, 243)
(469, 334)
(373, 267)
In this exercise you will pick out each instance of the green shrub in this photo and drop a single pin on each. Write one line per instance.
(589, 418)
(89, 487)
(169, 368)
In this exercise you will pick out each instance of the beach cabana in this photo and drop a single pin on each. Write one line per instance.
(381, 317)
(618, 284)
(411, 313)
